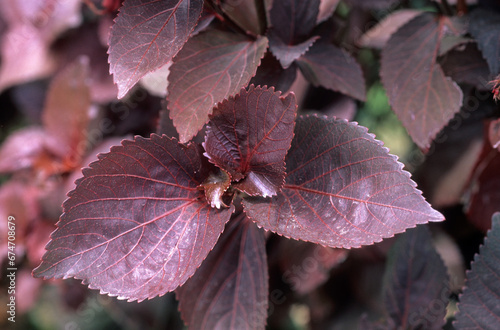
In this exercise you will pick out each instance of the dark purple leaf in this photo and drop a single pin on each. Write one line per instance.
(466, 65)
(212, 66)
(306, 265)
(147, 35)
(249, 136)
(485, 27)
(293, 20)
(136, 226)
(373, 4)
(416, 285)
(422, 97)
(66, 113)
(478, 306)
(230, 289)
(378, 35)
(271, 73)
(286, 53)
(483, 195)
(333, 68)
(493, 134)
(326, 9)
(343, 189)
(246, 14)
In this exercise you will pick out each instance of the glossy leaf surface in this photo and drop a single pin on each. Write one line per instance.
(423, 98)
(330, 67)
(342, 189)
(212, 66)
(478, 304)
(230, 289)
(147, 35)
(416, 284)
(136, 226)
(249, 136)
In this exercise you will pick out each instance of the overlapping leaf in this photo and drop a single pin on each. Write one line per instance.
(136, 226)
(342, 189)
(230, 289)
(271, 73)
(416, 284)
(212, 66)
(249, 136)
(478, 306)
(485, 27)
(147, 35)
(423, 98)
(291, 23)
(333, 68)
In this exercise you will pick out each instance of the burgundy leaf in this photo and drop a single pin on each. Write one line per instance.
(307, 265)
(271, 73)
(333, 68)
(494, 133)
(136, 226)
(246, 14)
(378, 35)
(66, 112)
(422, 97)
(147, 35)
(342, 189)
(485, 27)
(22, 149)
(249, 136)
(373, 4)
(466, 65)
(287, 54)
(212, 66)
(326, 9)
(416, 284)
(483, 196)
(478, 307)
(230, 289)
(293, 20)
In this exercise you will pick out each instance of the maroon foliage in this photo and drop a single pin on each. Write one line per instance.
(342, 189)
(416, 284)
(146, 35)
(136, 226)
(478, 306)
(212, 66)
(420, 94)
(249, 136)
(485, 27)
(230, 289)
(333, 68)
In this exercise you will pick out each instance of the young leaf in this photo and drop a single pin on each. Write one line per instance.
(212, 66)
(229, 290)
(291, 23)
(478, 307)
(249, 136)
(147, 35)
(333, 68)
(416, 284)
(485, 27)
(342, 189)
(136, 226)
(419, 93)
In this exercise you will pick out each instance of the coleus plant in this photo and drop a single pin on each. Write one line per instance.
(144, 217)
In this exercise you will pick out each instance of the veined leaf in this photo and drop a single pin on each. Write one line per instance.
(136, 226)
(342, 189)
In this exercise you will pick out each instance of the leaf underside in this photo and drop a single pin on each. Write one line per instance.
(230, 289)
(212, 66)
(249, 136)
(422, 97)
(416, 284)
(478, 307)
(147, 35)
(136, 226)
(342, 189)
